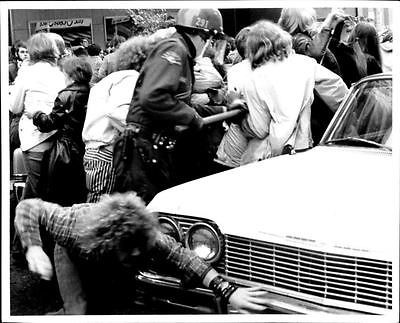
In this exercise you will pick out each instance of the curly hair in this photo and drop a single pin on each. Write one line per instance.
(120, 222)
(132, 53)
(266, 41)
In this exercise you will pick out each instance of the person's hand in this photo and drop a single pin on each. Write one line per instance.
(235, 101)
(333, 19)
(231, 96)
(39, 262)
(249, 300)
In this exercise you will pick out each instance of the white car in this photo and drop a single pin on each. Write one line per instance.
(315, 229)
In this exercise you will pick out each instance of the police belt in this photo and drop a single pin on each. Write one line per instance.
(158, 138)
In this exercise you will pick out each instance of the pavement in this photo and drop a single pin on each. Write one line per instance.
(30, 295)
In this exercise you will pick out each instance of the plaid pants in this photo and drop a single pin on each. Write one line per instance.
(100, 174)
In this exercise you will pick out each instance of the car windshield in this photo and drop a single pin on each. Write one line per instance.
(367, 118)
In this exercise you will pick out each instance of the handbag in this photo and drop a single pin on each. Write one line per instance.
(64, 172)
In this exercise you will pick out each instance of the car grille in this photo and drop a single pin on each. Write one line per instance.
(327, 275)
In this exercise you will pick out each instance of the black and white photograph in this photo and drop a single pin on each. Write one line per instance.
(200, 161)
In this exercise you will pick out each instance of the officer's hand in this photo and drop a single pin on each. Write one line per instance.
(39, 262)
(237, 104)
(232, 96)
(249, 300)
(197, 123)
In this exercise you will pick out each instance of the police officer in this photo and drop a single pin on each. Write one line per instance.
(144, 155)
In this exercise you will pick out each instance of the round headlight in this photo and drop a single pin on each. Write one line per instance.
(170, 227)
(204, 240)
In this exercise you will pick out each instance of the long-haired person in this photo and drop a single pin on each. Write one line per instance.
(359, 56)
(110, 241)
(279, 93)
(35, 90)
(365, 37)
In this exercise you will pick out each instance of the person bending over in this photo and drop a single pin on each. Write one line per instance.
(111, 239)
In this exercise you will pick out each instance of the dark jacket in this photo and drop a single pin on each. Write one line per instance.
(62, 166)
(162, 93)
(12, 71)
(68, 114)
(345, 57)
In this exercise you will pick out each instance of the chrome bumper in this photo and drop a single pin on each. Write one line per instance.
(166, 293)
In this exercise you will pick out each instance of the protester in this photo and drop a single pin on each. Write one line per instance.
(234, 142)
(144, 156)
(35, 90)
(109, 102)
(81, 51)
(111, 240)
(366, 36)
(109, 61)
(94, 60)
(355, 58)
(65, 178)
(19, 55)
(278, 122)
(60, 45)
(311, 38)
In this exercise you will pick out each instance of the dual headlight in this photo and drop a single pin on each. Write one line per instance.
(203, 238)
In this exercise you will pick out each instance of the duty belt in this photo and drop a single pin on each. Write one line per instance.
(158, 139)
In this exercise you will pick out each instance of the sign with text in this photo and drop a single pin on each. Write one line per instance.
(62, 23)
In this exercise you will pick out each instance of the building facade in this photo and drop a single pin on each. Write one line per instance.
(99, 25)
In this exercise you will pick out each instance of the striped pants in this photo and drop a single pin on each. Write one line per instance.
(100, 174)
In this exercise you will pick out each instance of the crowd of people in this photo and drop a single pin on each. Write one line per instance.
(93, 129)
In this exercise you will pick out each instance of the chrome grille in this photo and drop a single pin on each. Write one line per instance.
(332, 276)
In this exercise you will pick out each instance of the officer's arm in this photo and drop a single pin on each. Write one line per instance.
(164, 75)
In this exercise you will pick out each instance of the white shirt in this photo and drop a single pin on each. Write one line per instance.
(282, 92)
(36, 88)
(108, 99)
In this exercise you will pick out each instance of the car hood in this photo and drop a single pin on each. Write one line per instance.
(334, 199)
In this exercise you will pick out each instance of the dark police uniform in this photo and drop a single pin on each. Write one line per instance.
(144, 156)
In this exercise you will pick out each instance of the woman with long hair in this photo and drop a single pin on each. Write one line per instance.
(359, 56)
(365, 42)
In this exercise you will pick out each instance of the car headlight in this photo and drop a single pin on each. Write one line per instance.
(170, 227)
(205, 241)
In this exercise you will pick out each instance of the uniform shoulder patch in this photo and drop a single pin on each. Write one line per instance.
(172, 57)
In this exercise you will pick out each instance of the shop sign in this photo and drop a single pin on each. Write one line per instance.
(62, 23)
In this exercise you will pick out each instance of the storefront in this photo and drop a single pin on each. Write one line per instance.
(96, 25)
(99, 25)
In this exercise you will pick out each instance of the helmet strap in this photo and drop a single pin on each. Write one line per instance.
(208, 43)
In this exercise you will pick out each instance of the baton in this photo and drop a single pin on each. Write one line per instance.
(212, 119)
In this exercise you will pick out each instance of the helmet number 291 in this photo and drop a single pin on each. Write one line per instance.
(201, 22)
